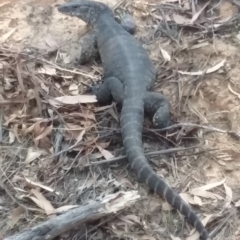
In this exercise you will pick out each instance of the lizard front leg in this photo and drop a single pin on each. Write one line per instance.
(110, 89)
(158, 107)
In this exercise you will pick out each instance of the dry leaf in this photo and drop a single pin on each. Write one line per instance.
(197, 14)
(4, 3)
(33, 154)
(15, 130)
(201, 191)
(206, 194)
(11, 137)
(197, 201)
(31, 128)
(181, 20)
(154, 206)
(65, 208)
(229, 195)
(199, 45)
(238, 37)
(166, 206)
(73, 88)
(76, 132)
(174, 238)
(34, 184)
(110, 3)
(47, 69)
(89, 183)
(51, 42)
(123, 234)
(7, 35)
(72, 100)
(186, 197)
(106, 154)
(231, 90)
(113, 113)
(221, 162)
(237, 204)
(84, 115)
(44, 87)
(16, 213)
(80, 136)
(19, 74)
(169, 1)
(227, 9)
(44, 133)
(66, 59)
(210, 70)
(125, 181)
(43, 202)
(224, 157)
(165, 54)
(131, 219)
(210, 186)
(100, 109)
(72, 127)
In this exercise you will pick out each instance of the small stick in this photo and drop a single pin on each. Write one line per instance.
(165, 151)
(75, 217)
(209, 128)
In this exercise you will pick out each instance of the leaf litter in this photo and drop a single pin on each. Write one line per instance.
(52, 127)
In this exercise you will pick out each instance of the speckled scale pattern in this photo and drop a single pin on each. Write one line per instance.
(128, 68)
(89, 50)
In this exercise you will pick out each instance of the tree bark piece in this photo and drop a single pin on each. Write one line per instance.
(77, 216)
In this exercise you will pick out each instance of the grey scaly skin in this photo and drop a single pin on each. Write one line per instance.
(128, 78)
(88, 49)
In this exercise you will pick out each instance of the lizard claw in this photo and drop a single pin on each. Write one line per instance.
(161, 119)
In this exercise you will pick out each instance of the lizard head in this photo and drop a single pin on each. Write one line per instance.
(88, 11)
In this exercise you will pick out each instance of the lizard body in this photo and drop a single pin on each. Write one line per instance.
(129, 76)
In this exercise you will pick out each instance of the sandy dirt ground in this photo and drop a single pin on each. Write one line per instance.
(194, 46)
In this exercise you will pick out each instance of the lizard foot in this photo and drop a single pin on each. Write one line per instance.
(161, 119)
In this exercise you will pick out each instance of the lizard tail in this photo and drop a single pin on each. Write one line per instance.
(88, 11)
(131, 127)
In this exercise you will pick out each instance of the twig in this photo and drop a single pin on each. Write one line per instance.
(78, 216)
(224, 222)
(58, 140)
(210, 128)
(67, 70)
(165, 151)
(119, 4)
(52, 64)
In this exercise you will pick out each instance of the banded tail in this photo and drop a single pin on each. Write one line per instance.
(131, 125)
